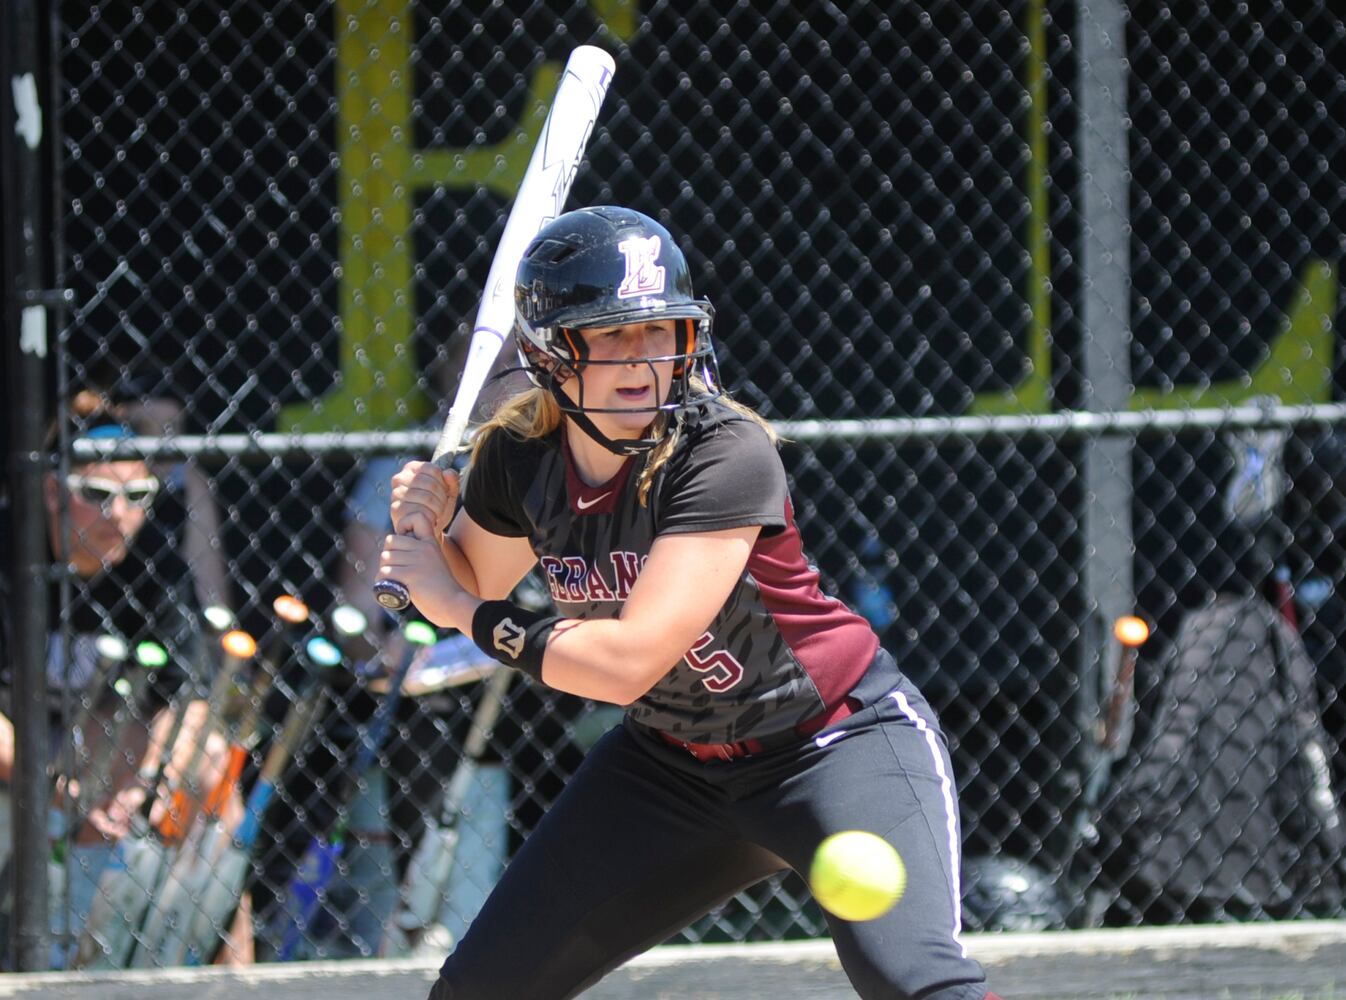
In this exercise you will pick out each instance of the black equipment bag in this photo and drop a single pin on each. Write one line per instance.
(1228, 808)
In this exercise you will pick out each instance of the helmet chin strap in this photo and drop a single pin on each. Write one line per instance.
(618, 446)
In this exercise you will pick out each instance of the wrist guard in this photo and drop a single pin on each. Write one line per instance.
(513, 635)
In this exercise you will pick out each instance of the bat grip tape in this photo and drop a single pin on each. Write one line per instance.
(513, 635)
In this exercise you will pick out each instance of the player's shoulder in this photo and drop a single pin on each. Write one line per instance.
(716, 422)
(503, 465)
(504, 444)
(717, 436)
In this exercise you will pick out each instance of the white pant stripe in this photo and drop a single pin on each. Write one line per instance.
(950, 813)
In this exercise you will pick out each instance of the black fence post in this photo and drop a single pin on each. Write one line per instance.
(26, 347)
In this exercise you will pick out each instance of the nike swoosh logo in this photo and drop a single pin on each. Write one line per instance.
(827, 739)
(583, 504)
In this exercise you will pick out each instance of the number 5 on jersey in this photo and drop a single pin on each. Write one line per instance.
(721, 669)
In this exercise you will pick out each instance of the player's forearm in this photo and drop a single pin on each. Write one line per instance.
(609, 660)
(462, 571)
(602, 659)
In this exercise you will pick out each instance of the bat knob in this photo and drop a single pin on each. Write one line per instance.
(392, 595)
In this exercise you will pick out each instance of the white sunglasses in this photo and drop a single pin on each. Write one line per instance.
(139, 493)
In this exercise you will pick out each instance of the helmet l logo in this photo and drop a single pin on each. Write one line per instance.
(644, 275)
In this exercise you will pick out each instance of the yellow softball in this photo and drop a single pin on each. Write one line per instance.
(857, 875)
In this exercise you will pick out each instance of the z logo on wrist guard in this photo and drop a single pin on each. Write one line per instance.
(508, 638)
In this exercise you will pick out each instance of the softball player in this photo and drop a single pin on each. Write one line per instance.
(761, 715)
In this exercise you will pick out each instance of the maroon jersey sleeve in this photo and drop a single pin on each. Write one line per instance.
(491, 492)
(725, 474)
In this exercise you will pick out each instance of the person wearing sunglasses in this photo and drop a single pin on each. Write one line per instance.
(108, 504)
(129, 583)
(104, 492)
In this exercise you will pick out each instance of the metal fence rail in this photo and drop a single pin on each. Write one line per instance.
(1044, 295)
(1059, 425)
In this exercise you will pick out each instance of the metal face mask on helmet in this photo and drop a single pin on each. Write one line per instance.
(605, 267)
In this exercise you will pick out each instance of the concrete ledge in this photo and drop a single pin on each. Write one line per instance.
(1295, 961)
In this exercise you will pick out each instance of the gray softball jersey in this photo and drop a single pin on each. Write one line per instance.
(779, 653)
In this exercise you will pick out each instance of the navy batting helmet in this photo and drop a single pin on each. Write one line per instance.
(601, 267)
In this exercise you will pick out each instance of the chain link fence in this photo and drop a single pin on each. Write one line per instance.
(276, 218)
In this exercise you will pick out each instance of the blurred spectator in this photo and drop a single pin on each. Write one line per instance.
(135, 665)
(160, 416)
